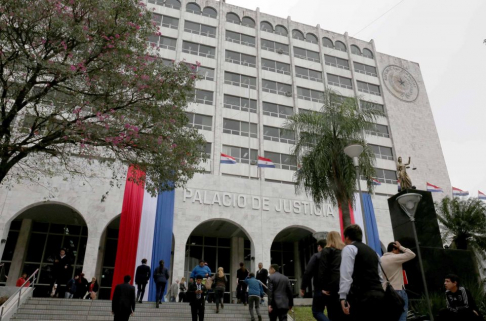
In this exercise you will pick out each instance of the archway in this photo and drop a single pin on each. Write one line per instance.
(35, 237)
(291, 249)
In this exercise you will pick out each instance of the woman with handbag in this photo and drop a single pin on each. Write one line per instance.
(182, 290)
(220, 282)
(93, 288)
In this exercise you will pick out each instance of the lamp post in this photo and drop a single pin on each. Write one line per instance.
(409, 203)
(320, 235)
(354, 151)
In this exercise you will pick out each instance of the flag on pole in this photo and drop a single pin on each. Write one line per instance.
(265, 162)
(481, 195)
(374, 181)
(226, 159)
(459, 192)
(434, 189)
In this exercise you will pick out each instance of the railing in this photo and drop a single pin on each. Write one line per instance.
(239, 133)
(309, 77)
(242, 108)
(277, 50)
(274, 114)
(388, 157)
(287, 167)
(366, 72)
(202, 13)
(340, 49)
(239, 62)
(311, 41)
(168, 25)
(307, 58)
(337, 66)
(239, 84)
(12, 298)
(241, 42)
(203, 101)
(279, 139)
(199, 32)
(167, 47)
(200, 126)
(339, 85)
(369, 92)
(280, 71)
(163, 3)
(374, 133)
(198, 53)
(269, 90)
(319, 100)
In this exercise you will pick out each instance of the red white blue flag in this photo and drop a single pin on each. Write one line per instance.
(226, 159)
(374, 181)
(459, 192)
(481, 195)
(434, 189)
(265, 162)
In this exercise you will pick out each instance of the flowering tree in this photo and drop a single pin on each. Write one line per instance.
(80, 85)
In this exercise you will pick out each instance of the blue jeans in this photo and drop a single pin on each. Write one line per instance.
(318, 305)
(404, 296)
(159, 292)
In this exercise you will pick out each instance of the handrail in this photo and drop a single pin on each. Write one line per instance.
(19, 291)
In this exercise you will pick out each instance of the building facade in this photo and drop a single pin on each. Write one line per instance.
(258, 69)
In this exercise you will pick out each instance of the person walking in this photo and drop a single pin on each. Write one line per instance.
(220, 282)
(142, 276)
(262, 276)
(60, 273)
(22, 281)
(311, 275)
(71, 287)
(173, 291)
(280, 296)
(182, 290)
(360, 275)
(196, 293)
(93, 288)
(161, 276)
(241, 288)
(329, 265)
(255, 292)
(123, 303)
(200, 270)
(81, 287)
(460, 302)
(392, 262)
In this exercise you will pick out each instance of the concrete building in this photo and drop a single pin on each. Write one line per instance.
(257, 69)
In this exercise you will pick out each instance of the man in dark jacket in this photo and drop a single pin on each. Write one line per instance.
(460, 302)
(161, 276)
(280, 296)
(196, 294)
(262, 276)
(123, 303)
(142, 276)
(61, 268)
(312, 274)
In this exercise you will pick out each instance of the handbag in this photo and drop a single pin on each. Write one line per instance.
(393, 302)
(209, 283)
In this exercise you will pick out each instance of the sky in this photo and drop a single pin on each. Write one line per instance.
(445, 37)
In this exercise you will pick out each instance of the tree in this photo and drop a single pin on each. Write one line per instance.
(325, 172)
(81, 84)
(465, 222)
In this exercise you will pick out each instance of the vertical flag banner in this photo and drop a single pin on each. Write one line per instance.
(434, 188)
(481, 195)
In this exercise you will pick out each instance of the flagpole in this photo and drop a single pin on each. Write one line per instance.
(249, 130)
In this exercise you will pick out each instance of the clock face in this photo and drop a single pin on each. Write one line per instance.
(400, 83)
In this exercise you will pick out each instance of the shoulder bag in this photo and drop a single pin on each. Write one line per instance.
(393, 302)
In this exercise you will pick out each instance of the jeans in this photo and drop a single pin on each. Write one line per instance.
(404, 296)
(68, 295)
(280, 314)
(182, 296)
(141, 291)
(318, 306)
(218, 295)
(254, 301)
(241, 291)
(160, 288)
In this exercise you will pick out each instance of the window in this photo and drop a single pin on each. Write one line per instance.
(248, 22)
(369, 105)
(378, 130)
(203, 97)
(310, 37)
(233, 18)
(193, 7)
(199, 29)
(163, 42)
(206, 150)
(165, 21)
(282, 161)
(175, 4)
(297, 34)
(382, 151)
(204, 72)
(240, 103)
(210, 12)
(275, 47)
(276, 66)
(199, 121)
(336, 62)
(365, 69)
(310, 94)
(355, 50)
(266, 26)
(308, 74)
(240, 38)
(369, 88)
(239, 80)
(274, 110)
(277, 88)
(241, 154)
(306, 54)
(340, 46)
(167, 62)
(235, 127)
(326, 42)
(281, 30)
(386, 176)
(198, 49)
(339, 81)
(367, 53)
(240, 59)
(276, 134)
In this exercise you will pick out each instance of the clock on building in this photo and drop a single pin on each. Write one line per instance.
(400, 83)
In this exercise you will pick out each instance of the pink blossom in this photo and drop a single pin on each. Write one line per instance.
(73, 68)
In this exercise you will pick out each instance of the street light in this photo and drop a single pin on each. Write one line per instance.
(320, 235)
(409, 203)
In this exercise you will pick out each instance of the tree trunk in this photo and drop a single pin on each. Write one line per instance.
(346, 215)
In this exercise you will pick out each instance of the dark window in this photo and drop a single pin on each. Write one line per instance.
(336, 62)
(378, 130)
(326, 42)
(193, 7)
(248, 22)
(370, 105)
(199, 29)
(275, 66)
(206, 150)
(241, 154)
(240, 38)
(275, 47)
(282, 161)
(339, 81)
(274, 110)
(199, 121)
(241, 59)
(382, 151)
(236, 127)
(367, 53)
(310, 37)
(355, 50)
(210, 12)
(239, 80)
(198, 49)
(308, 74)
(365, 69)
(297, 34)
(266, 26)
(233, 18)
(340, 46)
(240, 103)
(386, 176)
(310, 94)
(175, 4)
(369, 88)
(281, 30)
(306, 54)
(278, 135)
(276, 88)
(204, 97)
(165, 21)
(163, 42)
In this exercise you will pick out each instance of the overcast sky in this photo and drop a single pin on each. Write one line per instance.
(445, 38)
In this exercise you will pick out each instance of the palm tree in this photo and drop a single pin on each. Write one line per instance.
(465, 222)
(325, 172)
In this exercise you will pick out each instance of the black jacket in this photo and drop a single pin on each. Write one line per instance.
(280, 294)
(262, 276)
(123, 299)
(329, 264)
(142, 275)
(312, 273)
(96, 287)
(161, 275)
(191, 293)
(61, 268)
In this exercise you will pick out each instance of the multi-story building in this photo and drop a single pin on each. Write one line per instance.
(258, 69)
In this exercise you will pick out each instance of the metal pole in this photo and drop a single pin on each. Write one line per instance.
(249, 130)
(422, 270)
(362, 208)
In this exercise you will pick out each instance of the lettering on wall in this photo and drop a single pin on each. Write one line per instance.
(257, 203)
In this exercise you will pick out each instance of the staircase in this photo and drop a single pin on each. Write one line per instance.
(75, 309)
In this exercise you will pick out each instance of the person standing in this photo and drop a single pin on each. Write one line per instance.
(360, 275)
(255, 292)
(392, 265)
(161, 275)
(71, 287)
(60, 272)
(241, 275)
(262, 276)
(200, 270)
(220, 282)
(123, 303)
(173, 291)
(81, 287)
(196, 293)
(280, 296)
(182, 290)
(142, 276)
(329, 265)
(460, 302)
(311, 274)
(93, 288)
(22, 280)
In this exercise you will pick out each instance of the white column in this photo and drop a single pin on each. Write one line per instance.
(91, 256)
(237, 256)
(179, 257)
(20, 252)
